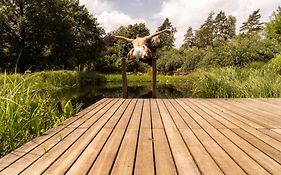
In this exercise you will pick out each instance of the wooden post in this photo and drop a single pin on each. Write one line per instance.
(124, 79)
(154, 71)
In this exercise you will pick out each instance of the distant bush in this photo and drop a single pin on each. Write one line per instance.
(192, 58)
(241, 51)
(275, 64)
(169, 60)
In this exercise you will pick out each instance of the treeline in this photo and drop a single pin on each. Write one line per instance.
(61, 34)
(54, 34)
(216, 44)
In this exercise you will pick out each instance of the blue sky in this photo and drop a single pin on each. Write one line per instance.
(182, 13)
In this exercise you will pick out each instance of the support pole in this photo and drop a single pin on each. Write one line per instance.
(124, 79)
(154, 72)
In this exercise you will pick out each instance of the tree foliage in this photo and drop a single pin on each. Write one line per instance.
(165, 39)
(188, 41)
(253, 23)
(273, 28)
(54, 34)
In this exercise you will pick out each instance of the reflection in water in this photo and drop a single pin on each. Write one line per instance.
(90, 94)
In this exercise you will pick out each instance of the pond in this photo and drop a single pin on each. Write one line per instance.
(91, 93)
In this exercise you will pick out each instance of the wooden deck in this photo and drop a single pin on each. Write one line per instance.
(162, 136)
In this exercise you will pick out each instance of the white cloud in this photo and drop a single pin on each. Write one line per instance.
(184, 13)
(109, 18)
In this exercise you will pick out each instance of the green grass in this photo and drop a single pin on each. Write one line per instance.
(27, 109)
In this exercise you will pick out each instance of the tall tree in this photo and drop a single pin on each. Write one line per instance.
(188, 39)
(253, 23)
(204, 36)
(50, 34)
(165, 39)
(273, 27)
(224, 27)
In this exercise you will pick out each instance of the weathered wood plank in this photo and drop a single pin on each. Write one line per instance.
(204, 161)
(269, 164)
(181, 154)
(158, 136)
(144, 161)
(25, 149)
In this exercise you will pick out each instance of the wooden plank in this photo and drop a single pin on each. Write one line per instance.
(105, 160)
(144, 158)
(204, 161)
(183, 158)
(46, 146)
(277, 130)
(186, 117)
(164, 163)
(25, 149)
(194, 115)
(204, 115)
(78, 139)
(125, 159)
(270, 151)
(247, 163)
(266, 162)
(272, 134)
(226, 163)
(84, 162)
(180, 123)
(263, 107)
(225, 109)
(257, 115)
(146, 117)
(232, 117)
(227, 104)
(156, 118)
(63, 162)
(206, 108)
(270, 141)
(136, 116)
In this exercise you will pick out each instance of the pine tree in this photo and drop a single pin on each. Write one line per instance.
(188, 39)
(205, 35)
(273, 27)
(253, 23)
(165, 39)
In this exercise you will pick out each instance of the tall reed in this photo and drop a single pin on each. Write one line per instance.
(27, 109)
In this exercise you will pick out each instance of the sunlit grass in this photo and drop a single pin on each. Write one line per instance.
(27, 109)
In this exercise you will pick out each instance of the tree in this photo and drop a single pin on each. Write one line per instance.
(165, 39)
(273, 27)
(188, 39)
(204, 36)
(54, 34)
(224, 28)
(253, 23)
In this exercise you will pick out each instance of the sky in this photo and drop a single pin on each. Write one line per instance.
(111, 14)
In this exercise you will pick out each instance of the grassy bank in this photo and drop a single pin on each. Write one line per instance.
(28, 107)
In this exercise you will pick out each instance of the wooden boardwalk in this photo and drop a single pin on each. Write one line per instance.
(158, 136)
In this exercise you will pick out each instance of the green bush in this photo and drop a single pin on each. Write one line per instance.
(275, 64)
(241, 51)
(192, 58)
(169, 60)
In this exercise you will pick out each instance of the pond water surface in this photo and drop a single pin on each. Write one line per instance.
(91, 93)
